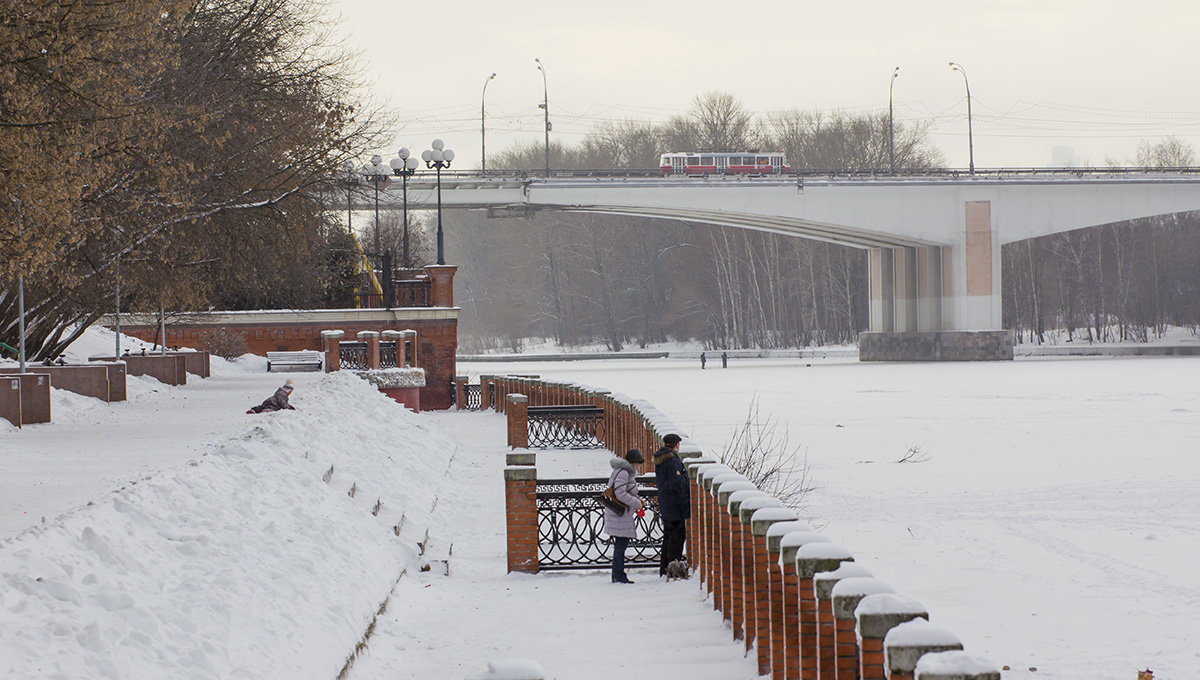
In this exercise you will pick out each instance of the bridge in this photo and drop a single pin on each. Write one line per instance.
(933, 238)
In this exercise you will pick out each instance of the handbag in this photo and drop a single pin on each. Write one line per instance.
(608, 498)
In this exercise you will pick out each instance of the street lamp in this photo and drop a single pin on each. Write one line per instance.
(545, 106)
(438, 157)
(483, 126)
(377, 173)
(891, 125)
(405, 165)
(970, 136)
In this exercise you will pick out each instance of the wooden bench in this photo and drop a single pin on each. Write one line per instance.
(303, 360)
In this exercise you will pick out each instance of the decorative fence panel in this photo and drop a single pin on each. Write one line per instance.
(353, 355)
(472, 396)
(571, 525)
(387, 354)
(566, 427)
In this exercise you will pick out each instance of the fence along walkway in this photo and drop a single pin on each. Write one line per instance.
(797, 601)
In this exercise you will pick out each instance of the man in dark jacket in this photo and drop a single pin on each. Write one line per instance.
(674, 500)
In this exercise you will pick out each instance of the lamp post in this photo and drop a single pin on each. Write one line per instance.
(545, 106)
(438, 157)
(483, 126)
(348, 176)
(405, 165)
(891, 124)
(21, 317)
(970, 136)
(377, 173)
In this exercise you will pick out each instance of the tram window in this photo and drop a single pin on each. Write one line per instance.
(748, 160)
(763, 160)
(693, 160)
(706, 160)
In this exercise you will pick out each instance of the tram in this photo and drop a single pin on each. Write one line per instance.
(731, 163)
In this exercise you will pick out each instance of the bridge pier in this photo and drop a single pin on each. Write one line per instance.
(938, 303)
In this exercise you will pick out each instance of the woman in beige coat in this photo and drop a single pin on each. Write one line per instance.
(623, 527)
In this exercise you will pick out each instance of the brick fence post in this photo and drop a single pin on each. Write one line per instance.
(785, 625)
(372, 340)
(823, 584)
(754, 575)
(705, 475)
(845, 596)
(696, 548)
(460, 393)
(331, 342)
(741, 547)
(767, 581)
(955, 665)
(877, 614)
(725, 545)
(518, 421)
(485, 392)
(408, 343)
(905, 644)
(810, 558)
(521, 517)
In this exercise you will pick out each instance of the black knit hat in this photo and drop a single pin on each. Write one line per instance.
(634, 456)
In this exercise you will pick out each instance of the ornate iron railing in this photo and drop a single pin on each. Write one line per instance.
(353, 355)
(387, 354)
(565, 427)
(571, 525)
(472, 397)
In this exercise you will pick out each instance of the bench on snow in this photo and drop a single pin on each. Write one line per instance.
(303, 360)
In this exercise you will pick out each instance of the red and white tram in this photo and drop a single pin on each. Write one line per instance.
(731, 163)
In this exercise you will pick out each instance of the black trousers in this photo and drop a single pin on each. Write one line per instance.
(674, 536)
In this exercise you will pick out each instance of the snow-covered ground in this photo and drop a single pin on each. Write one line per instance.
(1052, 523)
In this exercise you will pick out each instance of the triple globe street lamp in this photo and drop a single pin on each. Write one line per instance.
(438, 158)
(404, 165)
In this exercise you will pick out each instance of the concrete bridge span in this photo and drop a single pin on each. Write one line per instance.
(933, 240)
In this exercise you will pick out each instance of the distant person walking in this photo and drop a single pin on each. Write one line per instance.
(623, 527)
(724, 360)
(674, 500)
(703, 361)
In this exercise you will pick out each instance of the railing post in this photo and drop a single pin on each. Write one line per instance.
(753, 569)
(521, 517)
(460, 393)
(767, 584)
(823, 584)
(518, 421)
(695, 549)
(739, 565)
(905, 644)
(785, 619)
(724, 486)
(706, 505)
(372, 340)
(877, 614)
(807, 564)
(845, 596)
(331, 346)
(410, 347)
(485, 392)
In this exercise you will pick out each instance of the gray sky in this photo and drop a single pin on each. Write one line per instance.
(1097, 76)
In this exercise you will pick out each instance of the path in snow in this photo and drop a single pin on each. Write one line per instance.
(576, 625)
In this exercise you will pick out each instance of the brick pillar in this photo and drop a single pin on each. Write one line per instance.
(767, 586)
(741, 567)
(754, 574)
(518, 421)
(520, 498)
(808, 561)
(785, 626)
(708, 515)
(372, 340)
(460, 392)
(411, 356)
(696, 547)
(485, 392)
(500, 390)
(723, 543)
(905, 644)
(845, 596)
(823, 584)
(877, 614)
(441, 284)
(958, 665)
(331, 345)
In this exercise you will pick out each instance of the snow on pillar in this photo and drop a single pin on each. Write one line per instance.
(878, 614)
(823, 584)
(331, 345)
(845, 596)
(956, 665)
(905, 644)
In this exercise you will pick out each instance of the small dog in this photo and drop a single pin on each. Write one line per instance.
(677, 569)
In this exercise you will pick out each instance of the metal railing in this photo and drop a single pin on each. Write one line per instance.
(571, 525)
(405, 293)
(566, 427)
(387, 354)
(353, 355)
(472, 396)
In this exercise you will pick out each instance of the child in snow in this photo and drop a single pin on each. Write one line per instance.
(277, 401)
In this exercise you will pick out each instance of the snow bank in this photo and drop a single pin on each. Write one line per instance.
(244, 563)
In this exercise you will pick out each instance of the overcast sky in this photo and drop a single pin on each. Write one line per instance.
(1097, 76)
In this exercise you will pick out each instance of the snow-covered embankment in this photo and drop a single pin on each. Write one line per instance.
(244, 563)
